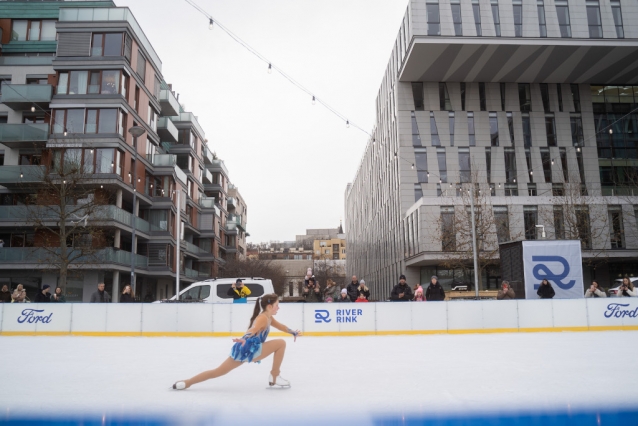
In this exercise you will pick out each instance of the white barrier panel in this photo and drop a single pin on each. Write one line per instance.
(88, 318)
(395, 316)
(240, 314)
(356, 317)
(321, 317)
(290, 314)
(12, 318)
(429, 317)
(1, 313)
(500, 314)
(221, 318)
(464, 315)
(124, 318)
(569, 313)
(535, 314)
(160, 318)
(194, 318)
(612, 312)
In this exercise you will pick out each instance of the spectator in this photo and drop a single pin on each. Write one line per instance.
(43, 296)
(594, 290)
(57, 296)
(149, 297)
(361, 298)
(401, 292)
(545, 290)
(331, 293)
(127, 295)
(627, 289)
(363, 289)
(5, 294)
(344, 297)
(418, 293)
(506, 292)
(353, 289)
(100, 296)
(239, 292)
(312, 292)
(19, 294)
(435, 291)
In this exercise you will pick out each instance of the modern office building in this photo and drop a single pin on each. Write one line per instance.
(531, 102)
(76, 77)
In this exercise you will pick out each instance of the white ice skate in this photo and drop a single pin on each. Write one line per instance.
(179, 385)
(278, 381)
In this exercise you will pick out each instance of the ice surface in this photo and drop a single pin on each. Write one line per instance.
(332, 377)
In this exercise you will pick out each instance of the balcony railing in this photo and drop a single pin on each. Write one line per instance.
(181, 175)
(44, 257)
(166, 130)
(191, 273)
(21, 174)
(218, 165)
(162, 160)
(192, 247)
(208, 155)
(23, 133)
(169, 104)
(189, 117)
(231, 201)
(207, 177)
(21, 97)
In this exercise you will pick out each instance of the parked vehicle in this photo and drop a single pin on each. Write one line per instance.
(618, 282)
(216, 290)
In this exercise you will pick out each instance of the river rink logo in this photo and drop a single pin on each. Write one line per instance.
(321, 315)
(342, 315)
(543, 272)
(30, 316)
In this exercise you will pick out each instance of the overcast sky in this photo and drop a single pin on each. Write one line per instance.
(290, 160)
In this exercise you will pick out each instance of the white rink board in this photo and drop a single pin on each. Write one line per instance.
(325, 318)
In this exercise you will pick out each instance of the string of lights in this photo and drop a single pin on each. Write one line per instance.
(212, 22)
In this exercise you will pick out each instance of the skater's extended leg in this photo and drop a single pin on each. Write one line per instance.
(278, 347)
(227, 366)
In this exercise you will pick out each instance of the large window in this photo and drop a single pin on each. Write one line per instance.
(90, 121)
(417, 95)
(503, 88)
(550, 130)
(421, 160)
(106, 82)
(562, 10)
(563, 163)
(465, 168)
(470, 128)
(448, 230)
(107, 44)
(141, 65)
(577, 130)
(440, 156)
(416, 137)
(510, 126)
(89, 161)
(501, 220)
(518, 17)
(476, 9)
(488, 163)
(530, 218)
(527, 130)
(593, 19)
(528, 162)
(444, 98)
(451, 121)
(617, 13)
(510, 165)
(545, 97)
(496, 16)
(463, 96)
(525, 97)
(583, 226)
(33, 30)
(434, 132)
(547, 164)
(482, 98)
(575, 96)
(493, 129)
(434, 19)
(542, 24)
(418, 192)
(559, 223)
(616, 231)
(456, 17)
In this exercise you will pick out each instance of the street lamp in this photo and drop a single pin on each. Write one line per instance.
(543, 235)
(136, 131)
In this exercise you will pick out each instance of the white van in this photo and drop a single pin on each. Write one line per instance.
(216, 290)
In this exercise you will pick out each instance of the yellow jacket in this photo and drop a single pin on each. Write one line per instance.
(239, 293)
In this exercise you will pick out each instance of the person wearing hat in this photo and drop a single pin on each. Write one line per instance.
(401, 292)
(239, 292)
(434, 291)
(312, 291)
(43, 296)
(344, 298)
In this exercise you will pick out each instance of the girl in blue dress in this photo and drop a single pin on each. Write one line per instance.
(252, 347)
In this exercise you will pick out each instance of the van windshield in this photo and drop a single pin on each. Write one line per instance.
(256, 290)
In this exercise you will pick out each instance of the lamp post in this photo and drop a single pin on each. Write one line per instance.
(136, 131)
(476, 270)
(543, 235)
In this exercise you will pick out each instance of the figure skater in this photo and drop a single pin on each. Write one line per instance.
(252, 347)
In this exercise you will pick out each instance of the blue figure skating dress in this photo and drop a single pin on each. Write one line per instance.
(252, 346)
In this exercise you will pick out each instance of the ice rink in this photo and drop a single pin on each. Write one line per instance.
(344, 380)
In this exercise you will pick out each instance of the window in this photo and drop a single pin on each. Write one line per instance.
(434, 133)
(501, 220)
(141, 65)
(465, 168)
(530, 218)
(421, 160)
(418, 192)
(528, 162)
(482, 96)
(136, 102)
(444, 98)
(78, 82)
(440, 156)
(581, 171)
(19, 30)
(493, 129)
(463, 96)
(497, 19)
(547, 164)
(577, 131)
(542, 24)
(545, 97)
(90, 121)
(583, 226)
(562, 10)
(563, 162)
(417, 95)
(559, 91)
(456, 17)
(593, 19)
(448, 230)
(416, 137)
(451, 120)
(559, 223)
(550, 130)
(525, 97)
(575, 96)
(531, 190)
(434, 20)
(558, 189)
(510, 126)
(488, 163)
(510, 165)
(616, 233)
(511, 190)
(470, 128)
(106, 44)
(151, 118)
(527, 130)
(476, 9)
(518, 17)
(503, 87)
(617, 14)
(106, 82)
(34, 30)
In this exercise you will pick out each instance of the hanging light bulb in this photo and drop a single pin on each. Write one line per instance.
(440, 181)
(138, 180)
(313, 100)
(611, 131)
(514, 180)
(151, 186)
(64, 182)
(428, 174)
(347, 124)
(65, 133)
(269, 68)
(499, 184)
(577, 149)
(531, 172)
(112, 165)
(91, 150)
(552, 161)
(210, 24)
(101, 186)
(32, 109)
(395, 154)
(21, 175)
(373, 141)
(412, 166)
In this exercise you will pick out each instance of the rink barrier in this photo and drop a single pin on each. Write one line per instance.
(321, 319)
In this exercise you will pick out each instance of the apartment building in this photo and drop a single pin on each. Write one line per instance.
(76, 77)
(531, 104)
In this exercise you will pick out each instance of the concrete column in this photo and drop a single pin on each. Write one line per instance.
(116, 239)
(116, 287)
(118, 198)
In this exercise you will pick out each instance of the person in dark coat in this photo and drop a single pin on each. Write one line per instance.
(545, 290)
(363, 289)
(57, 296)
(43, 296)
(434, 291)
(101, 296)
(353, 289)
(127, 295)
(401, 292)
(343, 298)
(5, 294)
(312, 292)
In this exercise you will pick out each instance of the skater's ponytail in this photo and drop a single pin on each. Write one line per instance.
(260, 305)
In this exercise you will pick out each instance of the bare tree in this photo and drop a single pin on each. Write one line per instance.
(326, 269)
(65, 214)
(257, 268)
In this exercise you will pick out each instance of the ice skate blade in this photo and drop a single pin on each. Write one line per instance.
(278, 387)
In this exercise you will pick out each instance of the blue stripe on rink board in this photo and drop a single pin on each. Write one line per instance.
(593, 418)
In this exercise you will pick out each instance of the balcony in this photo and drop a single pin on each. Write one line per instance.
(230, 201)
(208, 155)
(166, 130)
(23, 135)
(235, 219)
(162, 160)
(218, 166)
(190, 273)
(21, 97)
(192, 248)
(17, 175)
(207, 177)
(169, 104)
(189, 117)
(45, 258)
(229, 249)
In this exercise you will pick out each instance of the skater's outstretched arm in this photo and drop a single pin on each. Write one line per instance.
(260, 324)
(285, 329)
